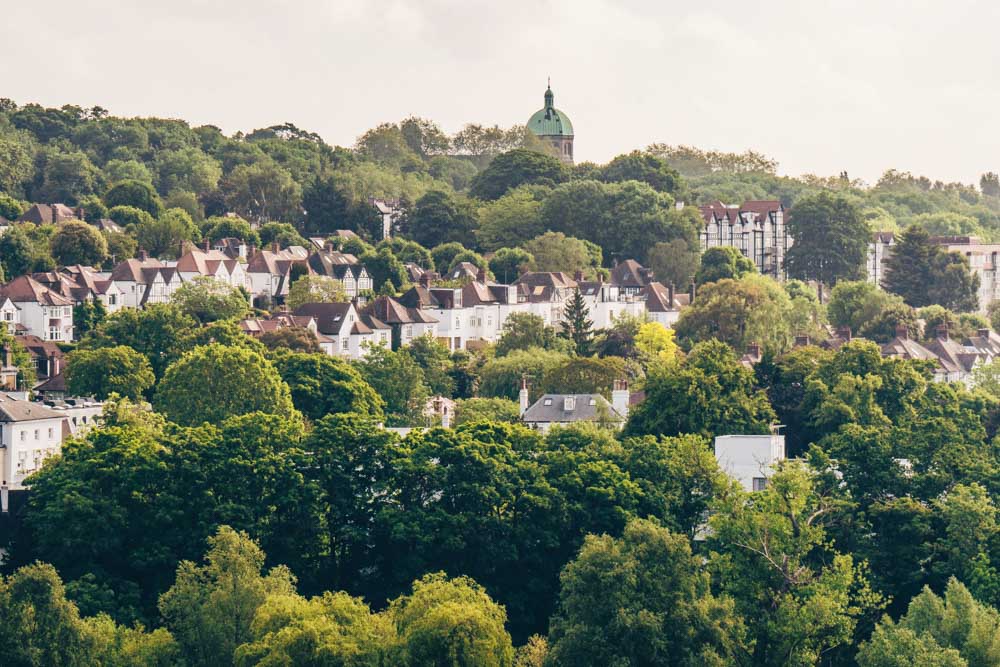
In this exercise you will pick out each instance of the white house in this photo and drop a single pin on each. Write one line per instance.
(214, 264)
(755, 228)
(144, 280)
(750, 459)
(349, 331)
(43, 312)
(29, 433)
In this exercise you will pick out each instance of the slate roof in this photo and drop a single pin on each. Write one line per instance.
(550, 408)
(329, 316)
(16, 410)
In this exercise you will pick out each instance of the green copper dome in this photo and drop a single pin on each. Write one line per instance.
(549, 121)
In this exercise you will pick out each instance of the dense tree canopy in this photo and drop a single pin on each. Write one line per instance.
(238, 379)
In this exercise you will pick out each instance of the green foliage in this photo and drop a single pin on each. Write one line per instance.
(383, 267)
(830, 239)
(439, 217)
(471, 410)
(78, 243)
(399, 380)
(722, 262)
(108, 370)
(239, 379)
(444, 254)
(135, 193)
(512, 219)
(129, 217)
(799, 597)
(210, 607)
(296, 339)
(164, 236)
(576, 325)
(923, 274)
(451, 622)
(709, 393)
(674, 262)
(753, 309)
(155, 331)
(501, 377)
(554, 251)
(509, 263)
(315, 289)
(21, 253)
(209, 299)
(624, 219)
(522, 331)
(87, 315)
(11, 208)
(645, 167)
(515, 168)
(224, 227)
(281, 233)
(584, 375)
(435, 362)
(322, 385)
(952, 630)
(661, 612)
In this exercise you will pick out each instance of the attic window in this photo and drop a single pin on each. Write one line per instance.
(538, 290)
(548, 401)
(336, 318)
(593, 402)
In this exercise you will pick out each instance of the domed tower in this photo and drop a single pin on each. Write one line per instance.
(552, 125)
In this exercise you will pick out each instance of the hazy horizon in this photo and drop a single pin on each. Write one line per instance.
(820, 87)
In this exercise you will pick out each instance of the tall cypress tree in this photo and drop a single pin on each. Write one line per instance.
(576, 326)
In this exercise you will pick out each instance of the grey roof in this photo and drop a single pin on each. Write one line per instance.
(14, 410)
(550, 408)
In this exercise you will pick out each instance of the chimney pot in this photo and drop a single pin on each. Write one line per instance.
(941, 331)
(902, 331)
(983, 333)
(578, 276)
(844, 332)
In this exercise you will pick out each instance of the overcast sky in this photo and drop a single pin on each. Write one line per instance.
(820, 86)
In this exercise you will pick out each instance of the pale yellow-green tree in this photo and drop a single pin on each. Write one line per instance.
(315, 289)
(210, 607)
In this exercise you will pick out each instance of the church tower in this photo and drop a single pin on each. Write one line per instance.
(552, 125)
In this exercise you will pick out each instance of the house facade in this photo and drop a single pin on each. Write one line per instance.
(755, 228)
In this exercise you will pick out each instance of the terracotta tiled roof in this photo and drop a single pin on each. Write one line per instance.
(26, 289)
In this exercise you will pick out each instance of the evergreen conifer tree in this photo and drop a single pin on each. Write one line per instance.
(576, 326)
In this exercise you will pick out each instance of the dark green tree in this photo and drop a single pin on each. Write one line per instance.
(139, 194)
(322, 385)
(723, 262)
(439, 217)
(576, 323)
(830, 239)
(923, 273)
(514, 168)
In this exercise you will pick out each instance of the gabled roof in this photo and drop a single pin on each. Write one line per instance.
(25, 289)
(630, 273)
(658, 298)
(541, 286)
(954, 358)
(550, 408)
(904, 347)
(130, 270)
(47, 214)
(330, 317)
(391, 311)
(464, 270)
